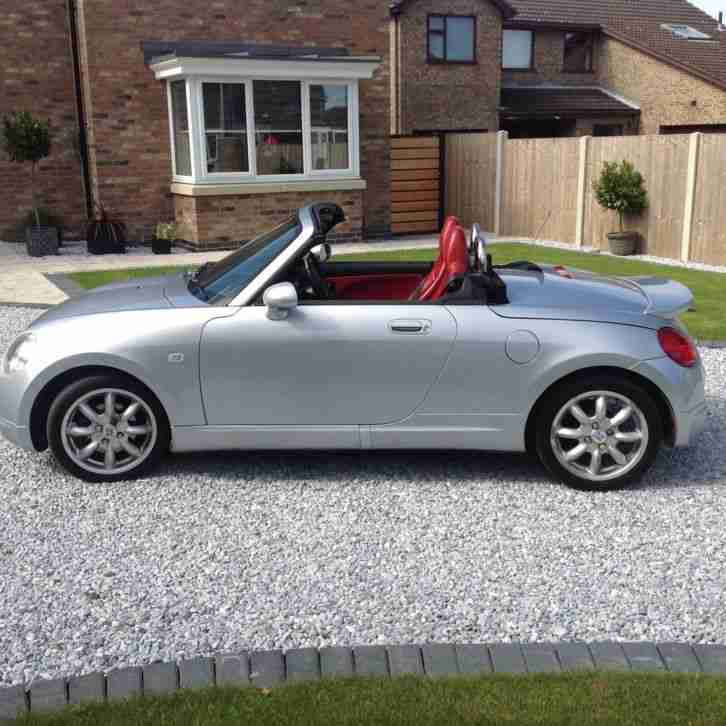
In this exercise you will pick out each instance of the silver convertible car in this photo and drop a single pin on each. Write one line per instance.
(278, 347)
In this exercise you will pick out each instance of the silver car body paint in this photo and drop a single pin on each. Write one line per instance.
(356, 375)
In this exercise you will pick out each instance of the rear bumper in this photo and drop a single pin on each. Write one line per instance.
(18, 435)
(690, 425)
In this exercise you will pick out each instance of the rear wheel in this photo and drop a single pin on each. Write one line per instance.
(602, 433)
(107, 428)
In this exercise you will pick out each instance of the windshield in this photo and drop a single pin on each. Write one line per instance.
(220, 282)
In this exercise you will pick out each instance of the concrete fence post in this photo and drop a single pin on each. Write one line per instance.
(581, 190)
(691, 174)
(502, 137)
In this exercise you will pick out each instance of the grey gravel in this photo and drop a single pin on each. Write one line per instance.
(248, 552)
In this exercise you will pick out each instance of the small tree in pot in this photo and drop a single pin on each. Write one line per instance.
(621, 188)
(28, 139)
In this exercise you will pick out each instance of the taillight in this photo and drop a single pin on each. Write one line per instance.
(678, 347)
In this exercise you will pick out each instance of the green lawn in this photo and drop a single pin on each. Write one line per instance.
(708, 322)
(617, 699)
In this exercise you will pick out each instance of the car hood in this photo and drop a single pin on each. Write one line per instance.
(579, 295)
(151, 293)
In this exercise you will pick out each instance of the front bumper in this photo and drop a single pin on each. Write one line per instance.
(18, 435)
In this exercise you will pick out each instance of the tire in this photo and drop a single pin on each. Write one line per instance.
(585, 457)
(138, 439)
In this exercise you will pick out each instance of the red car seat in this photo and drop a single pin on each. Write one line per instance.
(453, 260)
(450, 224)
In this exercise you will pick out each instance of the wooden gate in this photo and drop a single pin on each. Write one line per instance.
(415, 184)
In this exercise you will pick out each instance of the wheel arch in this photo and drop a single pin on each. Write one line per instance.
(664, 406)
(44, 400)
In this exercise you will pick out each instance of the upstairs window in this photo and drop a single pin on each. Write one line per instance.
(518, 50)
(578, 52)
(451, 39)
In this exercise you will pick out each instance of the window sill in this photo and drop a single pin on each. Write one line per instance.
(306, 185)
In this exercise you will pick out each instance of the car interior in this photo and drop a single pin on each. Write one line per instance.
(462, 273)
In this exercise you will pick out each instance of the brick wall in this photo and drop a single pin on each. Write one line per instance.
(128, 110)
(549, 48)
(219, 221)
(449, 96)
(36, 75)
(665, 94)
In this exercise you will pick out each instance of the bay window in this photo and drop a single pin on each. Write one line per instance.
(232, 129)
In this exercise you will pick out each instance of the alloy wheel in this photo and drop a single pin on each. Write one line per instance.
(109, 431)
(599, 435)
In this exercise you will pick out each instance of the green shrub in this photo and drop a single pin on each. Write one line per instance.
(26, 139)
(621, 188)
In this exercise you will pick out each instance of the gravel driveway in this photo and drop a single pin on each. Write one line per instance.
(265, 550)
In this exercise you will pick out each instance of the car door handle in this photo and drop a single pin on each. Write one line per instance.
(410, 327)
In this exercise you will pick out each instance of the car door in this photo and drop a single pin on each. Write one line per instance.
(324, 365)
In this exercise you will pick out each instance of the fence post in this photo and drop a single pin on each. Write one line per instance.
(581, 190)
(502, 137)
(693, 149)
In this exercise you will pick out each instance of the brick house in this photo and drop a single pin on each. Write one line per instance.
(550, 68)
(226, 116)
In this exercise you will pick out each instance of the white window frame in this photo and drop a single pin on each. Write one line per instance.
(180, 177)
(307, 74)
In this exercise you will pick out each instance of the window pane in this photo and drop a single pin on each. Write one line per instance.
(436, 22)
(436, 46)
(278, 127)
(329, 126)
(517, 49)
(180, 123)
(225, 127)
(459, 39)
(578, 52)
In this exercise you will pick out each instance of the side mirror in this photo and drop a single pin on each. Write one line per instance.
(280, 299)
(322, 253)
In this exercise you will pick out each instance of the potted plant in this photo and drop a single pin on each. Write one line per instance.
(164, 235)
(105, 235)
(28, 139)
(621, 188)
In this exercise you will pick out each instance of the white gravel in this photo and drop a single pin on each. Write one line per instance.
(222, 553)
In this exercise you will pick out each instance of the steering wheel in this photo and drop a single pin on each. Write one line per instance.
(320, 287)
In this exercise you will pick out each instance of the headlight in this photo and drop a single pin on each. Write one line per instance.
(19, 353)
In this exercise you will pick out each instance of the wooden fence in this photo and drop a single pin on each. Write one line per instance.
(542, 188)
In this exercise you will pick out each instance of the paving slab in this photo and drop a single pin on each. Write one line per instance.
(267, 668)
(160, 678)
(48, 695)
(196, 673)
(13, 702)
(123, 683)
(473, 659)
(540, 658)
(643, 657)
(370, 660)
(679, 658)
(574, 657)
(232, 669)
(302, 664)
(507, 658)
(609, 656)
(90, 688)
(439, 659)
(336, 662)
(711, 657)
(405, 660)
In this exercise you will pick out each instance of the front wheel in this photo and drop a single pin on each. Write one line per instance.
(107, 428)
(600, 433)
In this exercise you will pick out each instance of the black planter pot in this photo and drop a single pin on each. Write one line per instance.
(105, 247)
(623, 243)
(161, 246)
(41, 241)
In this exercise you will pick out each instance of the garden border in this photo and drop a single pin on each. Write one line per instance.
(270, 668)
